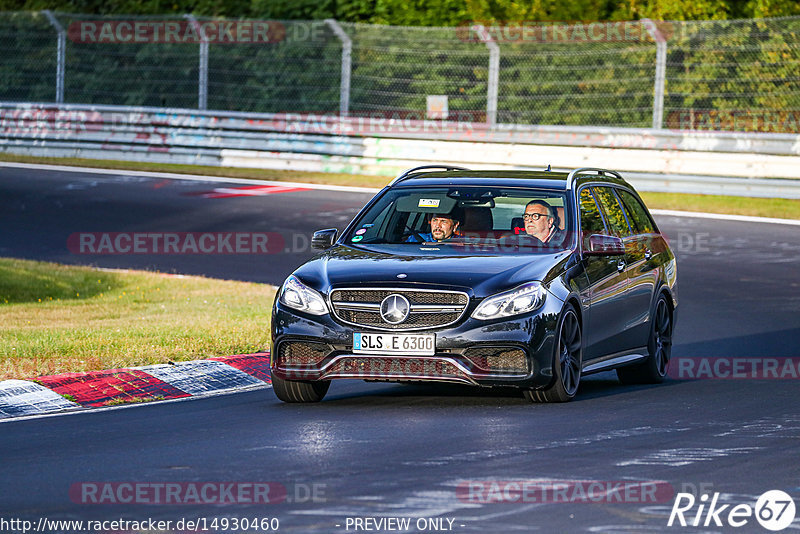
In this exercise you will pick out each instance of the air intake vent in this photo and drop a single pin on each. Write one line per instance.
(499, 359)
(300, 353)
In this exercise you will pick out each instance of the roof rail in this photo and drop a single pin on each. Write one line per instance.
(405, 174)
(583, 170)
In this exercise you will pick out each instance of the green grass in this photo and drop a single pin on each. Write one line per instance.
(56, 318)
(781, 208)
(132, 400)
(759, 207)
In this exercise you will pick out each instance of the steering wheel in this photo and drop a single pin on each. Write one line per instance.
(411, 232)
(518, 240)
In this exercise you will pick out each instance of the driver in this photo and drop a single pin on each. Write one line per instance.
(443, 227)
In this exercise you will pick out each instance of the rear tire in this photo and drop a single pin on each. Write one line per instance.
(300, 391)
(567, 361)
(653, 369)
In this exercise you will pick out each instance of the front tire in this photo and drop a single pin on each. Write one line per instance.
(659, 347)
(567, 361)
(300, 391)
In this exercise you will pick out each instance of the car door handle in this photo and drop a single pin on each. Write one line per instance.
(621, 265)
(648, 254)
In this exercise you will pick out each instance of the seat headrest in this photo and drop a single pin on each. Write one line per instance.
(477, 219)
(518, 225)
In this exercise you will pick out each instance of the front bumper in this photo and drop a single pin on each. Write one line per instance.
(522, 345)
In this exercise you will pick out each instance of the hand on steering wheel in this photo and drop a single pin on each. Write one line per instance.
(415, 233)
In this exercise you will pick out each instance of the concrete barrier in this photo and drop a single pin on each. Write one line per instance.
(710, 162)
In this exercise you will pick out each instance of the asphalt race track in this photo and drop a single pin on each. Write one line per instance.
(444, 454)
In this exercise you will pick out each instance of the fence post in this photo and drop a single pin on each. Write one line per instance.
(202, 76)
(494, 73)
(661, 72)
(60, 54)
(347, 51)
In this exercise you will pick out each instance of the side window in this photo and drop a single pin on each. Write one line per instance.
(591, 220)
(371, 231)
(613, 211)
(637, 213)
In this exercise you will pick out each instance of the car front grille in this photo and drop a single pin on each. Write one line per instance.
(429, 309)
(498, 359)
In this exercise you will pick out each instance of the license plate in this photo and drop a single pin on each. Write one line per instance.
(423, 344)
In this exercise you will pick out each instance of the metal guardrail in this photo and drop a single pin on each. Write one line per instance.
(116, 118)
(662, 160)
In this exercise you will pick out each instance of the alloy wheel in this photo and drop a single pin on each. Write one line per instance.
(570, 352)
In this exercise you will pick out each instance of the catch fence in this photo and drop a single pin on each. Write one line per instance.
(741, 75)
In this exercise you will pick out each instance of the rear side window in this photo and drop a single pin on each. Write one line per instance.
(615, 215)
(591, 220)
(637, 213)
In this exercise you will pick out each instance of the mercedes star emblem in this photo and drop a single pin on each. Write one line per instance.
(395, 309)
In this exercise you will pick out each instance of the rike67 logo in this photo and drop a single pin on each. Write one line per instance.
(774, 510)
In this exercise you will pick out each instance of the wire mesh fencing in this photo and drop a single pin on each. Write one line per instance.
(297, 69)
(28, 58)
(583, 74)
(103, 67)
(741, 75)
(395, 69)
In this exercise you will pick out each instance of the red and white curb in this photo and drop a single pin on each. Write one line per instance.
(95, 389)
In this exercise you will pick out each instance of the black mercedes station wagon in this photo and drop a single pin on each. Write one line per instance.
(489, 278)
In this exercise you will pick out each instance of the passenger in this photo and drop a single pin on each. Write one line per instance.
(541, 222)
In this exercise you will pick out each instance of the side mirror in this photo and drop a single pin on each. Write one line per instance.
(324, 239)
(605, 245)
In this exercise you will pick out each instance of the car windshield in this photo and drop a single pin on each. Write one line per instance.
(473, 218)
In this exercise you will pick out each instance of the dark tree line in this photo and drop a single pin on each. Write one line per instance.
(428, 12)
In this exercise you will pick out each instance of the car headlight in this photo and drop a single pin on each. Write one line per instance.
(522, 299)
(296, 295)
